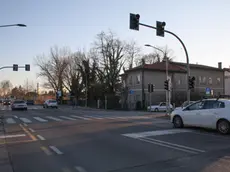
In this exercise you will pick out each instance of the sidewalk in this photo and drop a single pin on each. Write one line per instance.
(5, 165)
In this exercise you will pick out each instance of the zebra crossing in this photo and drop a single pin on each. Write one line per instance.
(44, 119)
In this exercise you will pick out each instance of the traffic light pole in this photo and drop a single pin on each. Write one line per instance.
(8, 67)
(167, 91)
(186, 53)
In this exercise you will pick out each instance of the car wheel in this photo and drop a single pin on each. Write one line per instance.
(25, 109)
(156, 110)
(56, 107)
(177, 122)
(223, 126)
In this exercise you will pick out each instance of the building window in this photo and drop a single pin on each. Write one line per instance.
(130, 80)
(218, 81)
(204, 80)
(138, 79)
(200, 80)
(210, 81)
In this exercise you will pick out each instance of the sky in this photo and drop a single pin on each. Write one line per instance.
(202, 25)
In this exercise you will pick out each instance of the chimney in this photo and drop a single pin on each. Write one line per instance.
(220, 65)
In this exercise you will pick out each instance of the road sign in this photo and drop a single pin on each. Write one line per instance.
(59, 93)
(208, 91)
(131, 91)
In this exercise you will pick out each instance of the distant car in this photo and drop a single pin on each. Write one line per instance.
(19, 104)
(50, 104)
(30, 102)
(6, 102)
(160, 107)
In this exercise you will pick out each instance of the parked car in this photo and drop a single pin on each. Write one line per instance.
(6, 102)
(19, 104)
(208, 113)
(160, 107)
(30, 102)
(50, 103)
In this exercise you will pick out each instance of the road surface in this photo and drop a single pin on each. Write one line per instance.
(66, 140)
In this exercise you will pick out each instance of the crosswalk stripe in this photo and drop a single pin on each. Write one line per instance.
(40, 119)
(65, 117)
(53, 118)
(10, 121)
(25, 120)
(94, 117)
(79, 117)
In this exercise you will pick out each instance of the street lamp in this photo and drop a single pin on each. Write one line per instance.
(166, 66)
(12, 25)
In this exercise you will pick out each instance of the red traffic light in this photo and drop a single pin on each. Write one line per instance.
(137, 16)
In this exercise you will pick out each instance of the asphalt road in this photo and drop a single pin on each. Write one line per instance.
(66, 140)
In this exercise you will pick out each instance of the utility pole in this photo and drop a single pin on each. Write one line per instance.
(27, 85)
(167, 91)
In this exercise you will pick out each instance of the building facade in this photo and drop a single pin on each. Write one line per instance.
(136, 82)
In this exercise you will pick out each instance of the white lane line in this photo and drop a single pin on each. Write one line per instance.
(31, 130)
(12, 136)
(168, 146)
(80, 169)
(94, 117)
(25, 120)
(40, 137)
(176, 145)
(79, 117)
(15, 116)
(53, 118)
(25, 124)
(65, 117)
(56, 150)
(40, 119)
(47, 151)
(10, 121)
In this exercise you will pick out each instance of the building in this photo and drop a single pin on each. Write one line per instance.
(136, 80)
(227, 81)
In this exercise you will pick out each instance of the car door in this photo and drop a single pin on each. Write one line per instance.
(191, 113)
(162, 107)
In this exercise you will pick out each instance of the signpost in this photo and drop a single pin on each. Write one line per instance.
(208, 91)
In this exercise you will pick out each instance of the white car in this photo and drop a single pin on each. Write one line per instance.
(160, 107)
(50, 103)
(207, 113)
(19, 104)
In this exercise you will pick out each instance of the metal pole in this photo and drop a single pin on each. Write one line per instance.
(186, 53)
(167, 91)
(150, 101)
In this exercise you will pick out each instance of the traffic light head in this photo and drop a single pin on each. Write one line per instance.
(166, 85)
(160, 28)
(191, 82)
(15, 67)
(134, 21)
(27, 67)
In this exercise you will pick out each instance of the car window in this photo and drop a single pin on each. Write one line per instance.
(213, 104)
(52, 101)
(163, 104)
(19, 102)
(196, 106)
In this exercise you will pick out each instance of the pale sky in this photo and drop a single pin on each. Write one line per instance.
(203, 25)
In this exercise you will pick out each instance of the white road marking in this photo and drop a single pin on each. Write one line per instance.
(53, 118)
(168, 146)
(40, 119)
(176, 145)
(80, 169)
(47, 151)
(79, 117)
(40, 137)
(156, 133)
(65, 117)
(25, 120)
(15, 116)
(10, 121)
(12, 136)
(31, 130)
(56, 150)
(94, 117)
(25, 124)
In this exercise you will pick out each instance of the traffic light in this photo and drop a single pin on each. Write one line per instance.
(161, 28)
(27, 67)
(151, 88)
(15, 67)
(191, 82)
(166, 84)
(134, 21)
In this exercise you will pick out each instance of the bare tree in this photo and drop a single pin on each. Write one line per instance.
(6, 86)
(52, 67)
(111, 52)
(133, 53)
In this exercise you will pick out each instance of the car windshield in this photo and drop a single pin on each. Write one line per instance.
(52, 101)
(20, 101)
